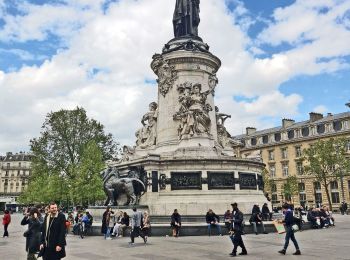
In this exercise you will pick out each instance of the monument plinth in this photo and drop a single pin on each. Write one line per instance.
(184, 154)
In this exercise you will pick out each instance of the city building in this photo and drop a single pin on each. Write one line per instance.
(14, 173)
(280, 148)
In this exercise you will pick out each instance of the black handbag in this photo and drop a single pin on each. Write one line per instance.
(26, 233)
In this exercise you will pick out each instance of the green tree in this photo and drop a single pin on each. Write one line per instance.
(88, 186)
(59, 151)
(290, 187)
(326, 161)
(268, 183)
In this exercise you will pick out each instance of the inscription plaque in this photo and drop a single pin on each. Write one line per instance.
(221, 180)
(186, 180)
(247, 181)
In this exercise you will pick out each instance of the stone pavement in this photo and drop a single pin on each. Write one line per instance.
(331, 243)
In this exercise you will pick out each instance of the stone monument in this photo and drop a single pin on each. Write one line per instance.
(183, 150)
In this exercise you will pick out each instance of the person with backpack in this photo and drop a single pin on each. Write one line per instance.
(237, 224)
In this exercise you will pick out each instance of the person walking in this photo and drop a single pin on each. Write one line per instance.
(146, 225)
(136, 222)
(53, 239)
(106, 219)
(33, 234)
(175, 223)
(237, 230)
(289, 222)
(6, 220)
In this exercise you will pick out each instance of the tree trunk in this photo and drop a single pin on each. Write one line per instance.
(325, 185)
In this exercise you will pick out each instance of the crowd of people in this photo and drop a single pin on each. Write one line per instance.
(48, 227)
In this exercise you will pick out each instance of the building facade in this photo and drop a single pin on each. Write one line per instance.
(281, 149)
(14, 174)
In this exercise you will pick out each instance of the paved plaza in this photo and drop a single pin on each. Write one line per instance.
(332, 243)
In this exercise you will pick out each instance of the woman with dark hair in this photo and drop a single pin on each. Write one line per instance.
(6, 220)
(33, 235)
(175, 223)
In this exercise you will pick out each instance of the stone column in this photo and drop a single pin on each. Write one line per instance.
(181, 66)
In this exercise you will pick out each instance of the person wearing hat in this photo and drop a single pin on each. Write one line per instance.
(237, 230)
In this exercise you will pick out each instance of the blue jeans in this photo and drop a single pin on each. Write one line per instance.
(108, 232)
(217, 227)
(290, 236)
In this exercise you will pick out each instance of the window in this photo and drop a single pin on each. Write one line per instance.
(321, 129)
(298, 152)
(305, 131)
(334, 185)
(299, 168)
(285, 169)
(301, 187)
(302, 198)
(8, 165)
(290, 134)
(265, 139)
(337, 126)
(273, 188)
(284, 153)
(317, 186)
(318, 197)
(253, 141)
(19, 164)
(271, 155)
(278, 137)
(18, 172)
(335, 197)
(6, 173)
(272, 171)
(274, 198)
(348, 146)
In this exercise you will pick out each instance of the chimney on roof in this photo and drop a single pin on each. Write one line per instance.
(329, 114)
(8, 153)
(287, 122)
(250, 130)
(315, 116)
(348, 104)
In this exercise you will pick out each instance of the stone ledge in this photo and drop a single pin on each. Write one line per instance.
(196, 229)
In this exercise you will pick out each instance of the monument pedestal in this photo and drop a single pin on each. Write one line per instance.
(186, 156)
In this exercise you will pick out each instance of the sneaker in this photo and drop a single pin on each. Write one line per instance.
(131, 243)
(243, 253)
(109, 238)
(297, 252)
(283, 251)
(232, 254)
(145, 240)
(120, 236)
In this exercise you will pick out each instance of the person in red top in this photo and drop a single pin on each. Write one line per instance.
(6, 220)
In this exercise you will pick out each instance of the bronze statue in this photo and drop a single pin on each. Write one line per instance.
(186, 18)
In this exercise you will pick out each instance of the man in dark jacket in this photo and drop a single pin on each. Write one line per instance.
(212, 220)
(236, 231)
(289, 222)
(53, 239)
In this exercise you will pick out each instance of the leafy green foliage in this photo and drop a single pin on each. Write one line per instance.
(68, 157)
(290, 187)
(327, 161)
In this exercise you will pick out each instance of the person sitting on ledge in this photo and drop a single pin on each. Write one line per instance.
(256, 219)
(175, 223)
(312, 217)
(213, 220)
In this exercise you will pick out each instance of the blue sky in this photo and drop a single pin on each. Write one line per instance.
(280, 58)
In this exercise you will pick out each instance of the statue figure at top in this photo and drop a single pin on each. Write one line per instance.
(186, 18)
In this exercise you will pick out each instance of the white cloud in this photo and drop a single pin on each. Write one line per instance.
(320, 109)
(108, 57)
